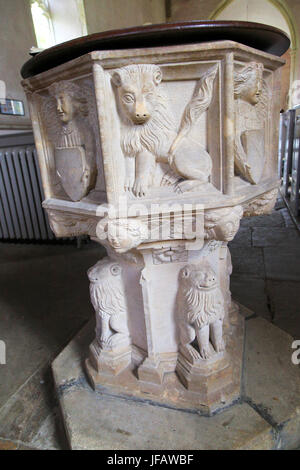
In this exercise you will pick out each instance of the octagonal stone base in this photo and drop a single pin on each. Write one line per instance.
(171, 380)
(265, 417)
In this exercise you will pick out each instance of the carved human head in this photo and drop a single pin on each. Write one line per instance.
(198, 277)
(136, 86)
(125, 234)
(70, 100)
(223, 224)
(248, 83)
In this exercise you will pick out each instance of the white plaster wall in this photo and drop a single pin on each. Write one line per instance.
(259, 11)
(112, 14)
(16, 38)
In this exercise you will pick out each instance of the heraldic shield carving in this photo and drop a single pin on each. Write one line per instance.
(72, 172)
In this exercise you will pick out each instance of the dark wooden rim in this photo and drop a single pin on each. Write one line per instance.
(257, 35)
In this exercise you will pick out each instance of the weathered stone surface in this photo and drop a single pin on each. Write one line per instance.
(272, 381)
(96, 421)
(11, 445)
(30, 417)
(267, 418)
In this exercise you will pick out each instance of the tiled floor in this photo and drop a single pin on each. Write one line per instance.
(44, 302)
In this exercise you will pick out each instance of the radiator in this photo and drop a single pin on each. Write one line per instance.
(21, 194)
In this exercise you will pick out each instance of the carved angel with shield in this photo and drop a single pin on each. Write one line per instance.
(251, 110)
(69, 128)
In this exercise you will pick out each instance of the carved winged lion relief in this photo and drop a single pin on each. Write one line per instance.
(71, 127)
(251, 116)
(149, 134)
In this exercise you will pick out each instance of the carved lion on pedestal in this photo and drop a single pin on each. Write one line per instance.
(108, 300)
(200, 311)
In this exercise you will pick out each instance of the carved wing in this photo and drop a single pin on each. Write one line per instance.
(199, 103)
(89, 94)
(264, 104)
(50, 118)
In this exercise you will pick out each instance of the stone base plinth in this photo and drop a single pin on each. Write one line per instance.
(212, 381)
(109, 362)
(205, 387)
(266, 416)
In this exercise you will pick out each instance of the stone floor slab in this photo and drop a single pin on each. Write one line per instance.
(250, 292)
(275, 219)
(30, 416)
(243, 237)
(285, 305)
(282, 263)
(288, 221)
(276, 236)
(272, 381)
(98, 422)
(247, 260)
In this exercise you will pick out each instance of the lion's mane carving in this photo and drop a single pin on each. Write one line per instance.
(108, 300)
(149, 135)
(153, 131)
(201, 311)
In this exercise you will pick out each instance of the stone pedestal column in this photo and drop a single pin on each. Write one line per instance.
(166, 326)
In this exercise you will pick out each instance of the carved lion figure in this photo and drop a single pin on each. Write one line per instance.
(108, 300)
(149, 134)
(201, 312)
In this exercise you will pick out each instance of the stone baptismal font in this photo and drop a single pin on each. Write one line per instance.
(154, 142)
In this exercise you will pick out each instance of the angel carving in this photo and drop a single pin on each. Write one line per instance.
(71, 130)
(251, 111)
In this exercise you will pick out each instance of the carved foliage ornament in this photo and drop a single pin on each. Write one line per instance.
(261, 205)
(65, 224)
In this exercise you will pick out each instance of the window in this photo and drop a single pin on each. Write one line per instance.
(42, 23)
